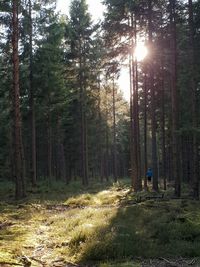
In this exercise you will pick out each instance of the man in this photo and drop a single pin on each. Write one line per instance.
(149, 174)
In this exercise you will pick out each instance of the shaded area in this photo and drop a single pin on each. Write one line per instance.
(97, 227)
(152, 229)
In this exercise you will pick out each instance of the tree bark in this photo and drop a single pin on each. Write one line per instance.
(99, 128)
(153, 113)
(163, 129)
(33, 169)
(84, 143)
(61, 161)
(114, 135)
(145, 131)
(19, 168)
(49, 147)
(136, 158)
(174, 99)
(195, 179)
(107, 173)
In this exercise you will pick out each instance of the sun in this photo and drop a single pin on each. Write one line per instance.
(140, 52)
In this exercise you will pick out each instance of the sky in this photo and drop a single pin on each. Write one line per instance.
(96, 9)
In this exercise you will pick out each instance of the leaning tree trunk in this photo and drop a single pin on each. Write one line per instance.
(19, 165)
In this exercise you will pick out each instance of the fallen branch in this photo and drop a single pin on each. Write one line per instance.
(191, 262)
(5, 224)
(39, 261)
(72, 264)
(9, 263)
(155, 197)
(26, 261)
(171, 263)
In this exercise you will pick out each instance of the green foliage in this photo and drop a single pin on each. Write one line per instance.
(98, 226)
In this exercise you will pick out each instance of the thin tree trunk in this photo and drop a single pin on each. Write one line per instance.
(107, 139)
(135, 166)
(61, 161)
(195, 179)
(174, 98)
(82, 137)
(114, 135)
(19, 168)
(100, 143)
(33, 169)
(153, 113)
(86, 149)
(139, 180)
(145, 132)
(49, 147)
(163, 130)
(84, 143)
(131, 118)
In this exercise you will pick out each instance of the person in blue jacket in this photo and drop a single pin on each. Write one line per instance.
(149, 174)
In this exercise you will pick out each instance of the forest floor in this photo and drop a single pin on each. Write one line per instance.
(102, 225)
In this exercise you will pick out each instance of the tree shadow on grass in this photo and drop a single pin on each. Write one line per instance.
(147, 230)
(21, 218)
(56, 191)
(95, 232)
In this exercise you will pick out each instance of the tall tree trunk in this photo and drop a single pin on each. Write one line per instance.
(131, 118)
(136, 161)
(86, 147)
(99, 128)
(153, 103)
(19, 168)
(163, 129)
(49, 147)
(145, 132)
(84, 144)
(139, 180)
(107, 139)
(174, 99)
(82, 137)
(61, 161)
(195, 179)
(33, 170)
(114, 135)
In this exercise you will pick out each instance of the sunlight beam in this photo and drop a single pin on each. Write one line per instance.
(140, 52)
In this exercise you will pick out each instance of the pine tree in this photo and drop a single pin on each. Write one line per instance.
(19, 171)
(195, 179)
(174, 99)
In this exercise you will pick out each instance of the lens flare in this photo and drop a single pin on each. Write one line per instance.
(140, 52)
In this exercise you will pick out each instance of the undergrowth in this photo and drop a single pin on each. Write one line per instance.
(100, 224)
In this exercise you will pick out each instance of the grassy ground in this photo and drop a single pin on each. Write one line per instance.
(102, 225)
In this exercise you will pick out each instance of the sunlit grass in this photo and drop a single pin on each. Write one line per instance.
(105, 226)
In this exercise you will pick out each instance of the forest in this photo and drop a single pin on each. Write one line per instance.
(74, 151)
